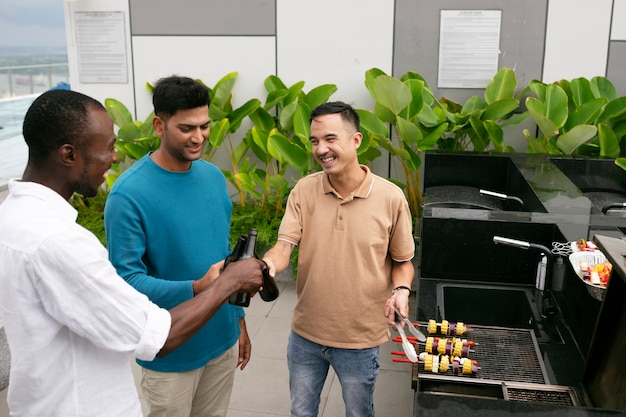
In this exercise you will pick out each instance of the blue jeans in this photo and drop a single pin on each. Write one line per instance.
(308, 363)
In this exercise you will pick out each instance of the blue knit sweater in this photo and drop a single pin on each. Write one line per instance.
(164, 230)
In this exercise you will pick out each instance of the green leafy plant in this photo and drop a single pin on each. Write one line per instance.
(280, 139)
(419, 121)
(91, 213)
(580, 117)
(134, 138)
(477, 124)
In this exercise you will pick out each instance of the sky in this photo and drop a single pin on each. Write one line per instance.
(32, 23)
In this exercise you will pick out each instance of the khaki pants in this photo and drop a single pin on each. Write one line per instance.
(203, 392)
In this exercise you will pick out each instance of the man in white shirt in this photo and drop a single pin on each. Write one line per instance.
(72, 323)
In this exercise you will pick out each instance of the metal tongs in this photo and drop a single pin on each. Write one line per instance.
(408, 348)
(420, 336)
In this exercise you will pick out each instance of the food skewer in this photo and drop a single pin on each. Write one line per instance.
(444, 346)
(441, 363)
(447, 328)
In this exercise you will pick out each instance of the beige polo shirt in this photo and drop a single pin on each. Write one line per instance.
(346, 247)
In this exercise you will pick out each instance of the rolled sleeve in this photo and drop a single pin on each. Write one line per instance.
(157, 329)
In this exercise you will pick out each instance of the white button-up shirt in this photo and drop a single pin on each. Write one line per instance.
(72, 323)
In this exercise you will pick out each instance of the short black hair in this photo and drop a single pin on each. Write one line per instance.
(346, 111)
(56, 118)
(174, 93)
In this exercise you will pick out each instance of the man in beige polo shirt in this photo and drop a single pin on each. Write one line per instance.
(354, 266)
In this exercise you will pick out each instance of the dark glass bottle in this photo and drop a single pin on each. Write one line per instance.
(269, 291)
(238, 298)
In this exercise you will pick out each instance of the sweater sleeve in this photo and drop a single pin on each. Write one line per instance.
(126, 242)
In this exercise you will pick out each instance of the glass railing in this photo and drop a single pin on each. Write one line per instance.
(19, 80)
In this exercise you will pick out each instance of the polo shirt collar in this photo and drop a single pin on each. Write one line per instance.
(362, 191)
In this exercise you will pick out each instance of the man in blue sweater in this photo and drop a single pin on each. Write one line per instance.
(167, 221)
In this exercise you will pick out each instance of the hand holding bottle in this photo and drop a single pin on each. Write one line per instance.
(246, 248)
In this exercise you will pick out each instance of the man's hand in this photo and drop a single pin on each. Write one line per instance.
(245, 346)
(211, 275)
(246, 275)
(399, 300)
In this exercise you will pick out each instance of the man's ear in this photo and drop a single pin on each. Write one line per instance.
(357, 138)
(68, 154)
(158, 125)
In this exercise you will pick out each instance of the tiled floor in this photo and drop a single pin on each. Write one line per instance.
(262, 390)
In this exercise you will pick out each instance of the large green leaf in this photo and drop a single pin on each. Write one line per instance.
(555, 105)
(495, 134)
(501, 87)
(283, 150)
(369, 154)
(129, 132)
(286, 116)
(416, 87)
(273, 83)
(410, 75)
(571, 140)
(237, 115)
(301, 124)
(409, 132)
(292, 93)
(118, 112)
(614, 109)
(537, 112)
(581, 91)
(538, 88)
(430, 139)
(383, 113)
(319, 95)
(515, 119)
(391, 93)
(216, 112)
(223, 90)
(263, 120)
(499, 109)
(621, 162)
(480, 138)
(257, 140)
(218, 130)
(274, 98)
(473, 104)
(240, 151)
(413, 161)
(609, 144)
(387, 145)
(372, 124)
(429, 117)
(370, 76)
(587, 113)
(602, 87)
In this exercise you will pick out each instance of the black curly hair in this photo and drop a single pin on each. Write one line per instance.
(56, 118)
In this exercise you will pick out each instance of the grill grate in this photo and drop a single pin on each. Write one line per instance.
(533, 395)
(506, 354)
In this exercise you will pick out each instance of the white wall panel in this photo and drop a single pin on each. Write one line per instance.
(618, 28)
(206, 58)
(334, 42)
(577, 39)
(122, 92)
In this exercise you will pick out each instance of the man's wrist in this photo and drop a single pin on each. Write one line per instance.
(400, 288)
